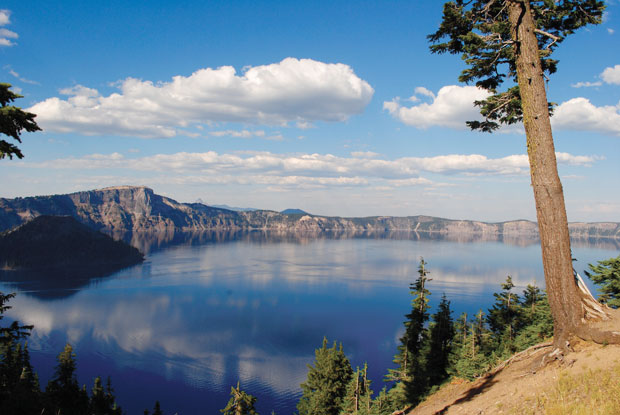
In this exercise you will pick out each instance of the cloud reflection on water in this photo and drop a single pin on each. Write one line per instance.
(206, 315)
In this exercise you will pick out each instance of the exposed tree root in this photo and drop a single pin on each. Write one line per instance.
(592, 309)
(599, 323)
(519, 356)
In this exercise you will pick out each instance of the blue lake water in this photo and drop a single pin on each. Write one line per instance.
(204, 313)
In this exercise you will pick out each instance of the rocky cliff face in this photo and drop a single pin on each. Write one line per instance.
(138, 209)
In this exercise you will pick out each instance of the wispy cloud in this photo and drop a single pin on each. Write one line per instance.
(6, 36)
(238, 134)
(586, 84)
(299, 91)
(14, 74)
(309, 170)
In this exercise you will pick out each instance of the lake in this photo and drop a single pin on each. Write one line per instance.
(205, 311)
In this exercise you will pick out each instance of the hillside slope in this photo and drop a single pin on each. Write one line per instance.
(587, 382)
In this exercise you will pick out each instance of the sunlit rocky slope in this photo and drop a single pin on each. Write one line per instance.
(139, 209)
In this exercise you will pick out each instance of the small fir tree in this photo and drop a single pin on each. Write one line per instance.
(63, 394)
(327, 381)
(240, 403)
(606, 274)
(504, 317)
(441, 335)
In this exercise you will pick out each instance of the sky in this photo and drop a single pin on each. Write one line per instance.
(334, 107)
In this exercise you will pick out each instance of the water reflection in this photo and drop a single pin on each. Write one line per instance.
(214, 308)
(148, 242)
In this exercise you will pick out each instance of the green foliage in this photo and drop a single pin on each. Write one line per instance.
(63, 393)
(441, 336)
(472, 351)
(12, 122)
(102, 401)
(505, 317)
(606, 274)
(14, 332)
(358, 398)
(479, 31)
(327, 381)
(513, 324)
(19, 385)
(240, 403)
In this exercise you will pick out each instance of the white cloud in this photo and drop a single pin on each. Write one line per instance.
(452, 106)
(611, 75)
(5, 17)
(5, 34)
(238, 134)
(586, 84)
(580, 114)
(610, 31)
(310, 170)
(420, 90)
(18, 76)
(301, 91)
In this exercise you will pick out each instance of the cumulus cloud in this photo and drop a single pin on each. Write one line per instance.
(452, 106)
(300, 91)
(580, 114)
(5, 34)
(306, 170)
(611, 75)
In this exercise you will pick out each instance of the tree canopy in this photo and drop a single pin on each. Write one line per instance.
(13, 121)
(481, 32)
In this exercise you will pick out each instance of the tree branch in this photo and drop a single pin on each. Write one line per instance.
(549, 35)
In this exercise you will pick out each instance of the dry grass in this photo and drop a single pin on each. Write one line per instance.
(592, 392)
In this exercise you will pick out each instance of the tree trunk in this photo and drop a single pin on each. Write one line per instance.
(569, 305)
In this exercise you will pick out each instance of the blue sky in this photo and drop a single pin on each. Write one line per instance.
(337, 108)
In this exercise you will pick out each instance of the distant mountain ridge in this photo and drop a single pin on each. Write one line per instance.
(139, 209)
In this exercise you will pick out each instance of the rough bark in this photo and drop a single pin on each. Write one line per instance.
(569, 304)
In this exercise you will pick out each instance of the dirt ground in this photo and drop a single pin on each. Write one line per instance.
(517, 383)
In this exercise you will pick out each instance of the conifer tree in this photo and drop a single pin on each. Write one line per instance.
(416, 336)
(19, 384)
(357, 400)
(12, 122)
(63, 393)
(240, 403)
(102, 400)
(157, 409)
(512, 40)
(504, 317)
(536, 323)
(327, 381)
(606, 274)
(441, 335)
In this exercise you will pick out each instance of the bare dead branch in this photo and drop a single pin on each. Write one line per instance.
(553, 37)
